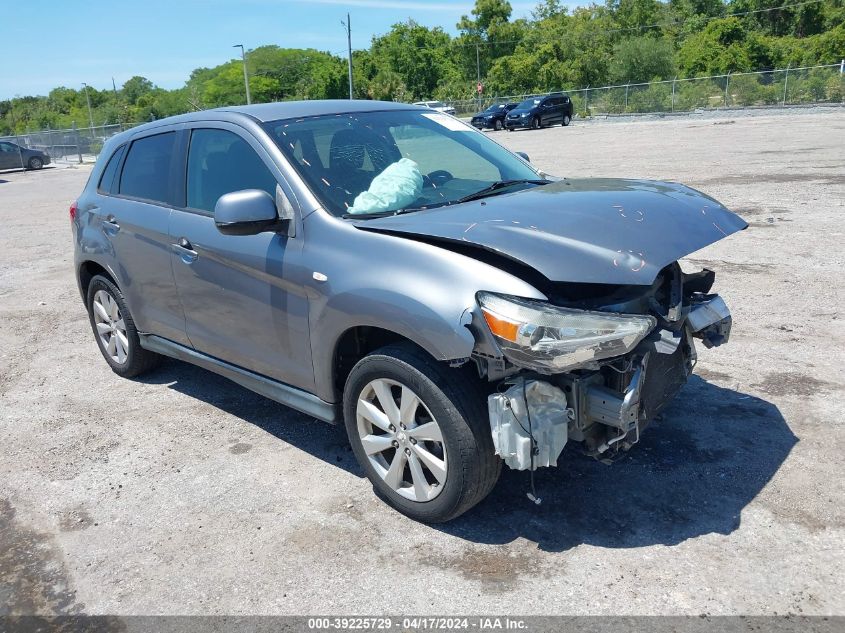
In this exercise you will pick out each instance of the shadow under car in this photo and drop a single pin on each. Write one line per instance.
(692, 473)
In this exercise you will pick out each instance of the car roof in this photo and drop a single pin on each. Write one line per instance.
(297, 109)
(264, 112)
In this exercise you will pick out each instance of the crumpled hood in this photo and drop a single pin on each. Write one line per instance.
(608, 231)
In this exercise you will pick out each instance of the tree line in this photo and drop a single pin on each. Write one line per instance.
(619, 41)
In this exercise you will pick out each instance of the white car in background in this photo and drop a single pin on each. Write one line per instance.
(437, 105)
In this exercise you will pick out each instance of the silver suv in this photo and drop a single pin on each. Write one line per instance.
(391, 268)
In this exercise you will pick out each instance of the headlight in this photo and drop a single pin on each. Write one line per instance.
(524, 114)
(537, 335)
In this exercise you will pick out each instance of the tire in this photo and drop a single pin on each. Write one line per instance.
(535, 123)
(497, 125)
(35, 163)
(449, 398)
(566, 120)
(126, 360)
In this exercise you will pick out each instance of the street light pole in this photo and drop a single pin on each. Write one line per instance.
(348, 26)
(246, 77)
(88, 101)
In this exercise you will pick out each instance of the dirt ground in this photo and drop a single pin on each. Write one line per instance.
(182, 493)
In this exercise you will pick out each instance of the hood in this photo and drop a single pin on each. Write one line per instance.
(607, 231)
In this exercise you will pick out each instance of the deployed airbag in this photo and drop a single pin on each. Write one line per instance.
(396, 187)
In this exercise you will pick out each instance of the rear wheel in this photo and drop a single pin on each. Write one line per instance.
(115, 330)
(35, 163)
(419, 430)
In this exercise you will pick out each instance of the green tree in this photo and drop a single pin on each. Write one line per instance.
(642, 59)
(417, 54)
(135, 88)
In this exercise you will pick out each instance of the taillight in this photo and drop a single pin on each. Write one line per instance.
(72, 210)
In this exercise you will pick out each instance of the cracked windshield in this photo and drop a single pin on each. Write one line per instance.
(379, 163)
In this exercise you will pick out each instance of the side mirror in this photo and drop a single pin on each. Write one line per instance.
(247, 212)
(523, 156)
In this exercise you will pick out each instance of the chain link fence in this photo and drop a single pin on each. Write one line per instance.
(772, 88)
(74, 145)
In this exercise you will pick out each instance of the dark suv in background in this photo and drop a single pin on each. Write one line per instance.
(538, 112)
(493, 117)
(13, 156)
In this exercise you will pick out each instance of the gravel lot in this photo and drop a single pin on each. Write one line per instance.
(182, 493)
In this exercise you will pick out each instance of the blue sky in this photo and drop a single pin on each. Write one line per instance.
(66, 42)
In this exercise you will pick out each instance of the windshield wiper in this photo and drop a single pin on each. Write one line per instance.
(382, 214)
(497, 186)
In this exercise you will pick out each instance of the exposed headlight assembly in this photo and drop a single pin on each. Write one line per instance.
(549, 339)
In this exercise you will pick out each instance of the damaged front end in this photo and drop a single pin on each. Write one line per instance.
(593, 365)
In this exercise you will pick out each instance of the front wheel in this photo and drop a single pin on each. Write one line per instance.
(566, 120)
(497, 125)
(535, 123)
(35, 163)
(419, 430)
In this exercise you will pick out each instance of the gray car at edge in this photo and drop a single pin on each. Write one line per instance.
(393, 269)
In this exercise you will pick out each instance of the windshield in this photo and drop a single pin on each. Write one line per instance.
(529, 103)
(494, 107)
(374, 162)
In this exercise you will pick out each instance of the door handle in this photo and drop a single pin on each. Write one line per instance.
(185, 250)
(110, 225)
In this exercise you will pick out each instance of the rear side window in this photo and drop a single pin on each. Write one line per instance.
(108, 182)
(221, 162)
(146, 171)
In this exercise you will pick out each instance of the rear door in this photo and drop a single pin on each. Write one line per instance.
(551, 111)
(134, 205)
(244, 296)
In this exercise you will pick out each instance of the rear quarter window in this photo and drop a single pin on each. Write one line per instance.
(146, 170)
(108, 181)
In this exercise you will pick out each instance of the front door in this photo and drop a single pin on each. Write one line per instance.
(244, 296)
(10, 156)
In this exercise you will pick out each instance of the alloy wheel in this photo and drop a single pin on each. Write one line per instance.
(111, 327)
(402, 440)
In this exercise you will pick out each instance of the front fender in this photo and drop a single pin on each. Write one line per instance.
(413, 289)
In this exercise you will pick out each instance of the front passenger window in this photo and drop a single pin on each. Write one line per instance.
(221, 162)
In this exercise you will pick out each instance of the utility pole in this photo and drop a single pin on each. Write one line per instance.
(116, 103)
(478, 74)
(348, 26)
(88, 101)
(246, 76)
